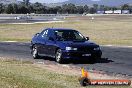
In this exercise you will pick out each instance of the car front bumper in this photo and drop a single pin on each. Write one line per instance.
(81, 55)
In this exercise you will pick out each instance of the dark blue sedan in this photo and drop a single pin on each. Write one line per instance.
(63, 44)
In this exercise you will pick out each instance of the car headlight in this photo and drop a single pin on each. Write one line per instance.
(71, 48)
(97, 48)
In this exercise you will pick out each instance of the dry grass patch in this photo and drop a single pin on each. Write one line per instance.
(108, 31)
(25, 74)
(19, 74)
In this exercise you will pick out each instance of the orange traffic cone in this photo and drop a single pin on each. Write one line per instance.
(84, 79)
(84, 73)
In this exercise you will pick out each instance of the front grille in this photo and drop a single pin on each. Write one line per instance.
(86, 49)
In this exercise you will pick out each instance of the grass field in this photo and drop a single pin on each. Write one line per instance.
(115, 30)
(17, 74)
(24, 74)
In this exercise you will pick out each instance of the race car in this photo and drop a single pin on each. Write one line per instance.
(63, 44)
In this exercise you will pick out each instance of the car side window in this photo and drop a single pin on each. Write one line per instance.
(78, 36)
(44, 34)
(58, 35)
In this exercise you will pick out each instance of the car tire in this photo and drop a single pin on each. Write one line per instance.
(58, 56)
(35, 52)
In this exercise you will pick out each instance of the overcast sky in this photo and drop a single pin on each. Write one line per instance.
(46, 1)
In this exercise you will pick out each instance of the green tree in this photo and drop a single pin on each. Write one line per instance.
(26, 2)
(125, 7)
(72, 8)
(65, 8)
(86, 9)
(107, 8)
(9, 9)
(23, 10)
(92, 10)
(95, 6)
(114, 8)
(69, 8)
(38, 8)
(15, 8)
(31, 9)
(1, 8)
(58, 9)
(80, 9)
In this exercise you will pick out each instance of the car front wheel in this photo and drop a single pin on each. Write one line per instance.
(58, 56)
(35, 52)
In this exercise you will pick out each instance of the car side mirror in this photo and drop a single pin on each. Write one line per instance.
(87, 38)
(37, 34)
(50, 38)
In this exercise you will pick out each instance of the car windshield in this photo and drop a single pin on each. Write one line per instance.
(69, 35)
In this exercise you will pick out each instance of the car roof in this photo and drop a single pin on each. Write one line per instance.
(56, 29)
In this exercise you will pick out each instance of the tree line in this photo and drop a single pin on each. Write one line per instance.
(39, 8)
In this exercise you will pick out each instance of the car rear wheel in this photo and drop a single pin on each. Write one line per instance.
(35, 52)
(58, 56)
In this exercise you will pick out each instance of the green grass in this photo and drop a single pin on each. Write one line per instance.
(24, 74)
(19, 74)
(103, 30)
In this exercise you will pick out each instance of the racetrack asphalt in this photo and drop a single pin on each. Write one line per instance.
(116, 60)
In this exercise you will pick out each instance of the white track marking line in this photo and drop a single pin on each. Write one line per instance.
(9, 41)
(121, 46)
(39, 22)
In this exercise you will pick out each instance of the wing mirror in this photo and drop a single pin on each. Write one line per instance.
(51, 38)
(37, 34)
(87, 38)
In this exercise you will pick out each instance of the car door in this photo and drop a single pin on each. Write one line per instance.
(50, 44)
(42, 43)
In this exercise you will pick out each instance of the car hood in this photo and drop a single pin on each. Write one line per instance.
(79, 44)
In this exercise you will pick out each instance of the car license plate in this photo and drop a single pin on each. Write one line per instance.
(86, 55)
